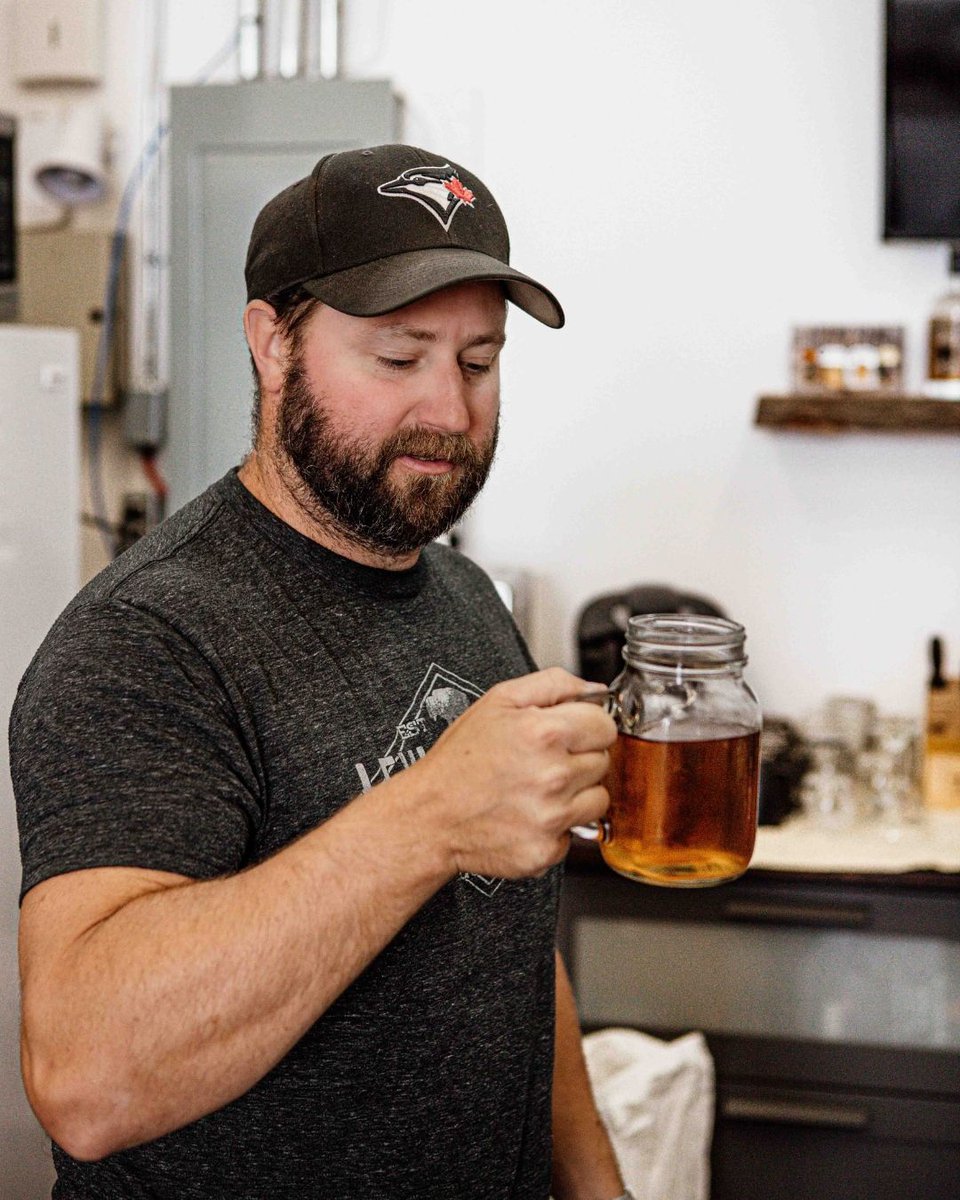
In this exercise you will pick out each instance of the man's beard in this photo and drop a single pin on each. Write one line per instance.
(346, 483)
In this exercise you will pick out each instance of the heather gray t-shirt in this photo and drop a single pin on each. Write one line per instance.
(222, 688)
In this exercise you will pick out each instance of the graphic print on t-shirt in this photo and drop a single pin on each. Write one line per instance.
(441, 697)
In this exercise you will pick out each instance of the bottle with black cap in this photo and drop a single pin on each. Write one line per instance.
(941, 757)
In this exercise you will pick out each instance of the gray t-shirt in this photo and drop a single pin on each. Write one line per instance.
(223, 687)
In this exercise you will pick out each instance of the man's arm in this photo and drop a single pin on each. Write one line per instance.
(584, 1165)
(150, 1000)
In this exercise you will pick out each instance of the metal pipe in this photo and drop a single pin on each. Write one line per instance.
(331, 40)
(249, 39)
(321, 44)
(273, 40)
(305, 40)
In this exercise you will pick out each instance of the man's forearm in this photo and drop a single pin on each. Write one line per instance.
(584, 1165)
(183, 998)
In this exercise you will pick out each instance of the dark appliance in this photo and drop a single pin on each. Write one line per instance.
(8, 224)
(783, 763)
(922, 127)
(603, 623)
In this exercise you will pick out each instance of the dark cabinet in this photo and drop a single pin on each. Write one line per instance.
(831, 1006)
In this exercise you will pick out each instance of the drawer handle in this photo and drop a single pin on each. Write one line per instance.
(794, 1112)
(844, 916)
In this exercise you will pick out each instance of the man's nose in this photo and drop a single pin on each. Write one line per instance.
(444, 401)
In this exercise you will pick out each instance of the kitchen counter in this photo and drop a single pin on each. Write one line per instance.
(867, 848)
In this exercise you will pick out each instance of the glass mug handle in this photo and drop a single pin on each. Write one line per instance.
(594, 831)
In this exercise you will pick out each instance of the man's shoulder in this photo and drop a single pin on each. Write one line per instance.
(163, 585)
(178, 547)
(153, 608)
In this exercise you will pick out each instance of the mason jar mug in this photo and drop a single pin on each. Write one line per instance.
(684, 772)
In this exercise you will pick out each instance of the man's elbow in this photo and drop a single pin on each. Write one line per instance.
(73, 1108)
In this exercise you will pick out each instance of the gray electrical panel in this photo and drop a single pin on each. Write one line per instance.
(232, 147)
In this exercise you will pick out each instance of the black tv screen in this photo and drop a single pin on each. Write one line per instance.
(922, 194)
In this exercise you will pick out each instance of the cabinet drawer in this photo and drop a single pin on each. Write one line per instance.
(806, 1144)
(833, 966)
(831, 985)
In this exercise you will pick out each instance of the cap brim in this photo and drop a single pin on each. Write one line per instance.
(380, 287)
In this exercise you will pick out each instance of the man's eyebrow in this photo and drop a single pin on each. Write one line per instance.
(487, 339)
(408, 331)
(416, 334)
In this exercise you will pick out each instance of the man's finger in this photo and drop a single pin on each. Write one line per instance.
(545, 688)
(589, 805)
(582, 727)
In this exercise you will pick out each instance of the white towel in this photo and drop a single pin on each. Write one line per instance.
(657, 1101)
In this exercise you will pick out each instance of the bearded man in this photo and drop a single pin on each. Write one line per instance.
(292, 795)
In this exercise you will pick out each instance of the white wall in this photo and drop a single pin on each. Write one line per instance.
(691, 180)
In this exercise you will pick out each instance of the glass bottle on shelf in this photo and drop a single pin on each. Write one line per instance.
(943, 362)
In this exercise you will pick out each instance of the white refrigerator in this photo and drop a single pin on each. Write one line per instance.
(39, 573)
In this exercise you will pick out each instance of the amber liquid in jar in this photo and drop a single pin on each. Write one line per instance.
(682, 813)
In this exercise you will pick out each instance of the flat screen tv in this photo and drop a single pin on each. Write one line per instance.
(922, 160)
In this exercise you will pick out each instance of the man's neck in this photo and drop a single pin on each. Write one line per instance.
(264, 480)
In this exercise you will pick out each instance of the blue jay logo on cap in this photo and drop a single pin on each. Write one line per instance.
(438, 189)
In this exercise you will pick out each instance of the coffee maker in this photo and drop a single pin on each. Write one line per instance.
(603, 623)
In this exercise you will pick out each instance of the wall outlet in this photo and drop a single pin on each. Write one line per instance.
(142, 511)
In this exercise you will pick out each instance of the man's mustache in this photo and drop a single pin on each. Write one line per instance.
(456, 448)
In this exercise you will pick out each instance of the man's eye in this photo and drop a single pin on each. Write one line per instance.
(476, 368)
(396, 364)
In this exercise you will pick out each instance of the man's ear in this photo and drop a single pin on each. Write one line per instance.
(265, 342)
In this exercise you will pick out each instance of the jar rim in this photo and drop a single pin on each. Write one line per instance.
(672, 629)
(684, 641)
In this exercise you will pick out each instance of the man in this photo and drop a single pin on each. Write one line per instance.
(291, 796)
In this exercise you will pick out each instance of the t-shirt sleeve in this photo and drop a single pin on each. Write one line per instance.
(126, 749)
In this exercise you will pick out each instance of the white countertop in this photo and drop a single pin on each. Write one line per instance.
(933, 844)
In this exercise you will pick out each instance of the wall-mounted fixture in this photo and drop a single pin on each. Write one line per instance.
(58, 41)
(73, 170)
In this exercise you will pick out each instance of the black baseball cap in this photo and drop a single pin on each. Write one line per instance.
(369, 231)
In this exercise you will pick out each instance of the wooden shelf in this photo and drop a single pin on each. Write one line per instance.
(856, 413)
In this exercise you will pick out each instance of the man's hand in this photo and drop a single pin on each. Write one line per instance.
(508, 779)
